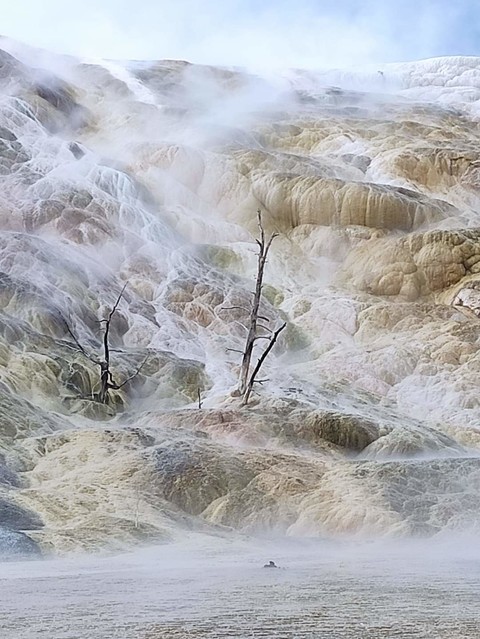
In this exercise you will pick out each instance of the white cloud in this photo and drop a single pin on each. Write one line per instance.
(302, 33)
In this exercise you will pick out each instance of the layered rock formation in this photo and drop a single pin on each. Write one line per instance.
(152, 174)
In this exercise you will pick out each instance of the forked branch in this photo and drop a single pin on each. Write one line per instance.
(260, 362)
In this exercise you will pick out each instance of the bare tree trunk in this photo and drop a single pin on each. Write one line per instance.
(106, 379)
(259, 364)
(264, 248)
(104, 385)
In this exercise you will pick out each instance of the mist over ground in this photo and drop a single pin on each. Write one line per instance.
(215, 591)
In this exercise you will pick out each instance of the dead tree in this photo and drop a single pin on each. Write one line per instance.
(252, 335)
(261, 359)
(247, 379)
(107, 382)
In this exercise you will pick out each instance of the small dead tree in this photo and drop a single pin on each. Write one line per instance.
(247, 379)
(107, 382)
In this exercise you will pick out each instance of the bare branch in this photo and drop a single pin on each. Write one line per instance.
(233, 350)
(260, 363)
(261, 242)
(269, 244)
(129, 379)
(199, 399)
(115, 306)
(79, 346)
(107, 327)
(67, 345)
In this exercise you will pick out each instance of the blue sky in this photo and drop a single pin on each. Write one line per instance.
(262, 33)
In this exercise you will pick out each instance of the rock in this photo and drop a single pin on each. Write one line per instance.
(17, 518)
(414, 266)
(17, 545)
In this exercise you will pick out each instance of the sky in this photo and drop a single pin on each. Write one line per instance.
(252, 33)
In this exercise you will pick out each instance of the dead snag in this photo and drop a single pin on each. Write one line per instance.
(252, 336)
(106, 378)
(256, 323)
